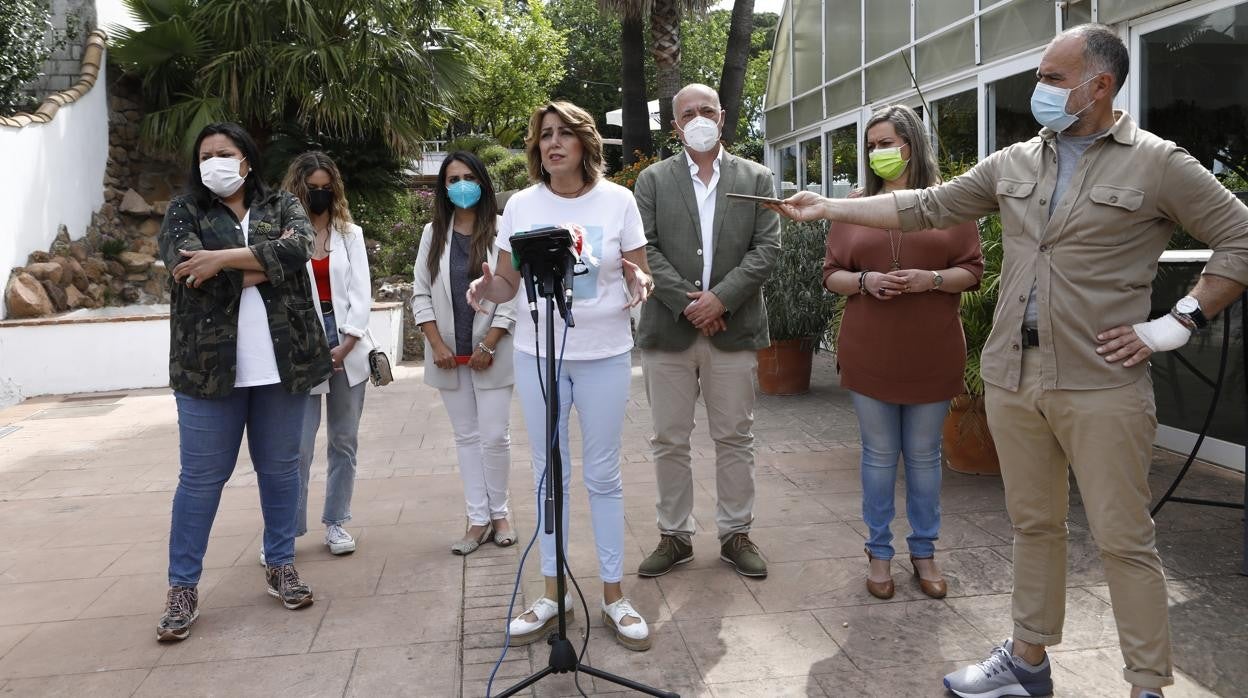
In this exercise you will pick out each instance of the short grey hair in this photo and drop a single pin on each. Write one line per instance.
(694, 87)
(1103, 50)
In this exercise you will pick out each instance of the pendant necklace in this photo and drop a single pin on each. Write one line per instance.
(894, 250)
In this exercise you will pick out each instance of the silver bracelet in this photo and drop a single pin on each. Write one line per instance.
(482, 347)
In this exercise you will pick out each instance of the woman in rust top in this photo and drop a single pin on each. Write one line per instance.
(901, 350)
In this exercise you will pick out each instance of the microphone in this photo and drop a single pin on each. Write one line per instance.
(568, 273)
(529, 289)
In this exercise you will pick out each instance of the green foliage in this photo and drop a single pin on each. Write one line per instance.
(977, 307)
(112, 248)
(798, 306)
(520, 57)
(749, 148)
(704, 38)
(393, 221)
(375, 72)
(471, 142)
(591, 76)
(510, 173)
(627, 177)
(493, 154)
(23, 49)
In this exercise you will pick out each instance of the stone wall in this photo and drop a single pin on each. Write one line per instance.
(115, 262)
(71, 21)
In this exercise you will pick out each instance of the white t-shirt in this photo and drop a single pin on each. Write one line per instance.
(612, 225)
(257, 364)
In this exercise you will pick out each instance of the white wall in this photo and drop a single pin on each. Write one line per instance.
(51, 175)
(68, 356)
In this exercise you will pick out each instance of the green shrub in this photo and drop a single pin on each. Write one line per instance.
(473, 143)
(493, 154)
(798, 307)
(510, 173)
(394, 222)
(23, 50)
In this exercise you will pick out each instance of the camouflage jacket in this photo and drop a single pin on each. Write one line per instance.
(203, 322)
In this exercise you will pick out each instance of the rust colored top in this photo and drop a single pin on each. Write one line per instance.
(908, 349)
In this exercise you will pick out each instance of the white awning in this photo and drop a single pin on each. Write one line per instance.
(615, 117)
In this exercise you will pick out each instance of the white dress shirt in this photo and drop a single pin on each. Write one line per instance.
(704, 197)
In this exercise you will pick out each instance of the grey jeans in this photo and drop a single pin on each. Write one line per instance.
(343, 405)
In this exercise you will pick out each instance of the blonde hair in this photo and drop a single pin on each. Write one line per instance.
(582, 124)
(296, 183)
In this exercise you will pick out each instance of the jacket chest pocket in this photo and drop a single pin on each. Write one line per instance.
(1013, 199)
(1110, 214)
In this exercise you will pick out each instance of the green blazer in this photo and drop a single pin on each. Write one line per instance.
(746, 243)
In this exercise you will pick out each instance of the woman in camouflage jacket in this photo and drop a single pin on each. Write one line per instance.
(245, 348)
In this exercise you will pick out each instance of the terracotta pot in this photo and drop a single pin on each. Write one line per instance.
(784, 367)
(967, 444)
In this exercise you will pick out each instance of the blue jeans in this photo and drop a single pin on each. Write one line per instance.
(210, 433)
(343, 405)
(890, 430)
(599, 389)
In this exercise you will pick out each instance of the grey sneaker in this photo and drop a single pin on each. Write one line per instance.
(181, 610)
(339, 541)
(284, 583)
(670, 552)
(1001, 674)
(740, 552)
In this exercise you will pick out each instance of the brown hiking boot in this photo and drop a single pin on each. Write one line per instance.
(284, 583)
(181, 610)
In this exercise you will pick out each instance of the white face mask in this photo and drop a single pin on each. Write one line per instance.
(221, 175)
(701, 134)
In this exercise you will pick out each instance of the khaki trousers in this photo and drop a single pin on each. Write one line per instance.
(725, 379)
(1106, 437)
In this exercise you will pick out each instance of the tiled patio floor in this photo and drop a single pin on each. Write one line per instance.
(85, 491)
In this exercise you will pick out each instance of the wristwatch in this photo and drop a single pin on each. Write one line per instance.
(937, 280)
(1187, 311)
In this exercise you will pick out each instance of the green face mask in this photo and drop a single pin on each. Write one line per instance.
(887, 163)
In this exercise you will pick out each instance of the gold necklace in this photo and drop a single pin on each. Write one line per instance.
(895, 251)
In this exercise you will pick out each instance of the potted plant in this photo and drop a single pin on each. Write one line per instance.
(967, 444)
(799, 309)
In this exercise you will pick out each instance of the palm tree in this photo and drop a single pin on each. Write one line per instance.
(736, 57)
(664, 16)
(370, 71)
(635, 119)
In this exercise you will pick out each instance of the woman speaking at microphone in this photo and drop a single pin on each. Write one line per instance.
(564, 153)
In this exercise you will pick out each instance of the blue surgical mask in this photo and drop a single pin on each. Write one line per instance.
(464, 193)
(1048, 105)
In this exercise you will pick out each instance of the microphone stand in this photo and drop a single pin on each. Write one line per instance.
(563, 657)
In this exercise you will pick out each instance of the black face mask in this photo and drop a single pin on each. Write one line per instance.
(319, 200)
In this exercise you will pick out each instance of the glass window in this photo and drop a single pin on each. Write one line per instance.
(1194, 88)
(788, 171)
(777, 122)
(1017, 26)
(842, 161)
(1076, 13)
(946, 53)
(954, 122)
(843, 31)
(1110, 11)
(812, 172)
(930, 15)
(780, 82)
(845, 94)
(807, 45)
(888, 78)
(808, 110)
(1009, 110)
(888, 26)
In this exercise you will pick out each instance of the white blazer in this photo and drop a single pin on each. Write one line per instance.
(352, 292)
(432, 301)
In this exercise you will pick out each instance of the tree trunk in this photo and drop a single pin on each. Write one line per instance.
(736, 56)
(665, 46)
(635, 120)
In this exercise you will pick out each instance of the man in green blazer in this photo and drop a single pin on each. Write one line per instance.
(709, 255)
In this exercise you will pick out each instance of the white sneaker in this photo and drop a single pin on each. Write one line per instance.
(635, 636)
(262, 563)
(339, 541)
(524, 632)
